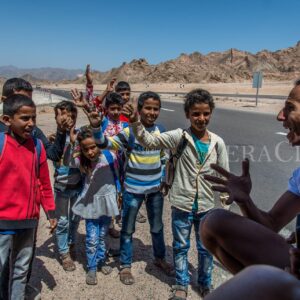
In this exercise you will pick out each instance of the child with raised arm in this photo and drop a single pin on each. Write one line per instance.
(97, 203)
(143, 177)
(67, 186)
(25, 186)
(190, 195)
(96, 101)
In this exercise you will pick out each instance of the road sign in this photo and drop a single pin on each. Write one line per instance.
(257, 79)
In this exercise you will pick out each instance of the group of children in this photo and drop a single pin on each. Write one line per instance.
(104, 172)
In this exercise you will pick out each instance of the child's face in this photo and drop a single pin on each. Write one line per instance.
(22, 122)
(68, 114)
(89, 149)
(199, 116)
(149, 112)
(125, 95)
(114, 111)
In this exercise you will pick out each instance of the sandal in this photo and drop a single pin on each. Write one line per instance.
(126, 276)
(178, 288)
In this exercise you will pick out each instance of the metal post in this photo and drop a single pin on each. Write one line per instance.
(257, 88)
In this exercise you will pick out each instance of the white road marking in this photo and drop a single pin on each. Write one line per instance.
(166, 109)
(281, 133)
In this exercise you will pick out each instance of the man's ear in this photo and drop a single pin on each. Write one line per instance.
(6, 120)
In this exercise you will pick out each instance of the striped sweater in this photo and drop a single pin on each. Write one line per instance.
(144, 168)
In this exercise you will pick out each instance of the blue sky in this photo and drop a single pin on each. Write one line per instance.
(70, 34)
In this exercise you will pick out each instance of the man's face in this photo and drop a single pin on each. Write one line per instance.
(199, 115)
(114, 111)
(290, 116)
(125, 95)
(149, 112)
(22, 122)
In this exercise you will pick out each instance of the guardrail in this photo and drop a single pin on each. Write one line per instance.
(182, 94)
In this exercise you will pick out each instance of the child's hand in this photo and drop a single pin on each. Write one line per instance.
(79, 99)
(129, 110)
(73, 135)
(110, 85)
(53, 225)
(64, 121)
(94, 117)
(51, 137)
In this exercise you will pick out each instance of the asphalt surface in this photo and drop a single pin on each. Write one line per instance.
(260, 137)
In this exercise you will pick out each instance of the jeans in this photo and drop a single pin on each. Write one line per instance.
(21, 247)
(182, 222)
(131, 206)
(68, 223)
(96, 231)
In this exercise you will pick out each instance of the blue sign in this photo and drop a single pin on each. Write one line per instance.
(257, 79)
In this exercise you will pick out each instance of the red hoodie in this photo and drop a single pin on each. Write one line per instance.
(23, 191)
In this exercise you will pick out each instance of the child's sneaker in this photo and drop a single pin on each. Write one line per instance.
(91, 277)
(67, 262)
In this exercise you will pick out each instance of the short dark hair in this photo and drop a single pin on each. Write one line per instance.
(198, 96)
(145, 96)
(113, 98)
(297, 82)
(122, 86)
(69, 106)
(13, 103)
(15, 84)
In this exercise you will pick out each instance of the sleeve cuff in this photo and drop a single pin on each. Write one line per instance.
(51, 214)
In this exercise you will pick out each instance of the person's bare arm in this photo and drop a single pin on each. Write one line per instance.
(109, 89)
(239, 188)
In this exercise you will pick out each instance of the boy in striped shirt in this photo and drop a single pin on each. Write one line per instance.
(143, 177)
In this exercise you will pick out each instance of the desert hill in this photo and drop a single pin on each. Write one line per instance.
(232, 65)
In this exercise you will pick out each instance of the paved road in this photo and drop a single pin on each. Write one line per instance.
(257, 136)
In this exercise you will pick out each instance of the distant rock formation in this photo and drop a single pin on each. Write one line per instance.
(229, 66)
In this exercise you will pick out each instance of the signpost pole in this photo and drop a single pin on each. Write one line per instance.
(256, 101)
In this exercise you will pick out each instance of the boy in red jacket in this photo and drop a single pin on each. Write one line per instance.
(25, 185)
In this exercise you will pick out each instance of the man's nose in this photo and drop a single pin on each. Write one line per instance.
(280, 116)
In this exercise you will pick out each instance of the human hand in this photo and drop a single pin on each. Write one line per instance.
(292, 238)
(51, 137)
(64, 120)
(53, 225)
(73, 135)
(238, 187)
(110, 86)
(95, 118)
(295, 262)
(129, 110)
(164, 188)
(79, 99)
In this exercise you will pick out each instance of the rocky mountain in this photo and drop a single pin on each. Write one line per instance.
(229, 66)
(49, 74)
